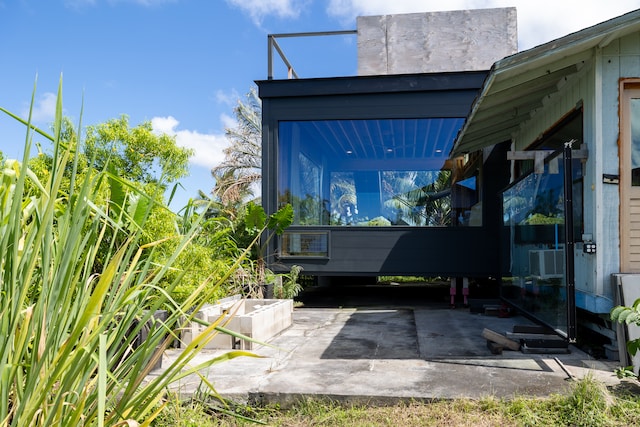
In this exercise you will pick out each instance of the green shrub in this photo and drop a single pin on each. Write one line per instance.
(68, 352)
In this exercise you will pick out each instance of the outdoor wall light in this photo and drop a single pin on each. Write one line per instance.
(589, 248)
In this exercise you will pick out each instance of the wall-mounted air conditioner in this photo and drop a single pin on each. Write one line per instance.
(546, 264)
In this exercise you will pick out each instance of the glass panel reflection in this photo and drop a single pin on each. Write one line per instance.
(374, 173)
(635, 142)
(534, 219)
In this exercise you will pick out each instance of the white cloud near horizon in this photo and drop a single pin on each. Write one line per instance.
(538, 21)
(44, 109)
(208, 148)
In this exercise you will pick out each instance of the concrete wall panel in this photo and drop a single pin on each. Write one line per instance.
(464, 40)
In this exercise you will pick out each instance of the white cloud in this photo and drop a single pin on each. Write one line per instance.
(229, 97)
(44, 109)
(539, 21)
(208, 147)
(228, 121)
(259, 9)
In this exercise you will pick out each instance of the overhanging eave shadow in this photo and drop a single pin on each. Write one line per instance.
(375, 334)
(519, 363)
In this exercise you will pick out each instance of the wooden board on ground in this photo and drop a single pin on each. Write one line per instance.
(495, 348)
(500, 339)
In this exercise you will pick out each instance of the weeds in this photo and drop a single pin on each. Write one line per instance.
(589, 403)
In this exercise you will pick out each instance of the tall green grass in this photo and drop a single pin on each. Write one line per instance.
(68, 354)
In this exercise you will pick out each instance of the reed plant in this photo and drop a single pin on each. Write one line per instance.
(70, 352)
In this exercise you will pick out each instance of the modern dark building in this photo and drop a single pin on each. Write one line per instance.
(364, 162)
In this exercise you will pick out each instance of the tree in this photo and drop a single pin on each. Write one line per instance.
(418, 198)
(242, 167)
(139, 159)
(236, 178)
(138, 164)
(137, 154)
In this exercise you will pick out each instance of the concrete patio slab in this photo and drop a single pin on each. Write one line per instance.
(383, 354)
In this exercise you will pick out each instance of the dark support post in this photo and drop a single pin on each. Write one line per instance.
(569, 242)
(270, 57)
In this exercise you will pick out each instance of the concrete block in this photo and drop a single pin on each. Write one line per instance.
(257, 319)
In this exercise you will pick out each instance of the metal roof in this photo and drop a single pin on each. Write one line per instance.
(518, 84)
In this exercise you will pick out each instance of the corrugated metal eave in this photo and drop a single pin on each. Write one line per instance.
(536, 61)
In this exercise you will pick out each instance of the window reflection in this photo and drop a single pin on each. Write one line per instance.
(374, 173)
(534, 219)
(635, 142)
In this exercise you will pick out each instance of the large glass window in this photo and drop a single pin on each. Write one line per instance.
(392, 172)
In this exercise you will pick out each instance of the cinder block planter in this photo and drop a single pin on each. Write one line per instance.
(142, 335)
(260, 319)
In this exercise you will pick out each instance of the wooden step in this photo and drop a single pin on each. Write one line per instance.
(539, 340)
(501, 339)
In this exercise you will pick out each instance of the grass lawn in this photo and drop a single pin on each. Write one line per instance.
(590, 403)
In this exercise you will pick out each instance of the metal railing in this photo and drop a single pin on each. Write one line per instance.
(273, 44)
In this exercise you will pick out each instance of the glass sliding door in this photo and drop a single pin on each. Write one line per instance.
(534, 215)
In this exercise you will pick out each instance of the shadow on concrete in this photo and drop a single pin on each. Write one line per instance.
(375, 334)
(387, 353)
(380, 295)
(516, 363)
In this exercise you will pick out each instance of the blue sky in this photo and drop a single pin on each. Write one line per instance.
(183, 64)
